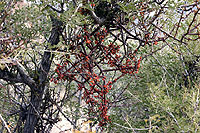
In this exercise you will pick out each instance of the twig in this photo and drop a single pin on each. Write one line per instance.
(4, 123)
(136, 129)
(163, 68)
(168, 34)
(190, 25)
(173, 118)
(126, 119)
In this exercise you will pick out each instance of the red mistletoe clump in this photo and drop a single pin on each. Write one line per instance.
(94, 58)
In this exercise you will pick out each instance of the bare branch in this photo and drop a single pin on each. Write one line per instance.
(8, 76)
(26, 78)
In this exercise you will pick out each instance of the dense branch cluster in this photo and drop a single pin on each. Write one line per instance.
(90, 64)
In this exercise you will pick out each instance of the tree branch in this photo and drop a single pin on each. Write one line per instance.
(8, 76)
(97, 19)
(26, 78)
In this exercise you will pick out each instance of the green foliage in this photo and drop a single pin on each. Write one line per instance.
(159, 100)
(180, 108)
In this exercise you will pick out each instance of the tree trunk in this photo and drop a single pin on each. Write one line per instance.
(32, 116)
(37, 94)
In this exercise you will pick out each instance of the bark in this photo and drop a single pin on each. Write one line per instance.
(21, 77)
(37, 93)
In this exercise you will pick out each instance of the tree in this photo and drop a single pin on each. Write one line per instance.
(57, 54)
